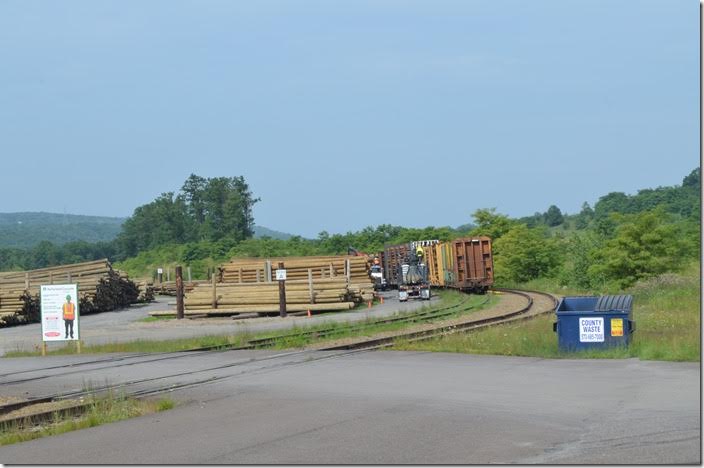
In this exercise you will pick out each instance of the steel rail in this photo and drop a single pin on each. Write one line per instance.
(471, 324)
(251, 344)
(352, 327)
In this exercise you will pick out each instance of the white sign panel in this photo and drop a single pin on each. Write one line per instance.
(280, 275)
(59, 310)
(591, 329)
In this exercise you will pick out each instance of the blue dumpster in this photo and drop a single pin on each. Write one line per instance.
(594, 322)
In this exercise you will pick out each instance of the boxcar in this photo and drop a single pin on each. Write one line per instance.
(473, 264)
(394, 257)
(435, 276)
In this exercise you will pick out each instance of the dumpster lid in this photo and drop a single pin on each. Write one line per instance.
(620, 302)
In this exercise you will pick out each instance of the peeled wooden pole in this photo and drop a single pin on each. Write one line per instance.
(179, 293)
(214, 299)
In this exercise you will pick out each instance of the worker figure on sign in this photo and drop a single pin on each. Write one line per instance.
(69, 309)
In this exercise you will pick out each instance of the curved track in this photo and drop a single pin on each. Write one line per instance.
(136, 359)
(535, 303)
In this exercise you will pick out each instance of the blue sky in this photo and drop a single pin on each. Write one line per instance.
(344, 114)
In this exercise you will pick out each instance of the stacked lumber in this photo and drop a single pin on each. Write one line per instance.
(10, 303)
(257, 270)
(232, 298)
(322, 283)
(168, 288)
(146, 290)
(248, 285)
(100, 289)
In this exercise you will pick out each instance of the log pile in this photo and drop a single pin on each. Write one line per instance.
(100, 289)
(168, 288)
(329, 283)
(232, 298)
(257, 270)
(146, 290)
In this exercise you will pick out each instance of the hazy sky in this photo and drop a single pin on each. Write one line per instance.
(344, 114)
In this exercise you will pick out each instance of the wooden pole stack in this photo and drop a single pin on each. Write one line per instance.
(248, 270)
(100, 289)
(233, 298)
(168, 288)
(322, 283)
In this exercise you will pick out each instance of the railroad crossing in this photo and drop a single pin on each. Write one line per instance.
(392, 407)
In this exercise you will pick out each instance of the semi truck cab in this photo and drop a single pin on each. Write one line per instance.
(377, 275)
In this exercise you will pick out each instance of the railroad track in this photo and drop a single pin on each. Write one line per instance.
(134, 359)
(535, 303)
(415, 317)
(169, 382)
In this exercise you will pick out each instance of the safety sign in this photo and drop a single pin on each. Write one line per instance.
(59, 312)
(616, 327)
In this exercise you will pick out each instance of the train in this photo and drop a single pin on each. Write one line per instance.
(465, 264)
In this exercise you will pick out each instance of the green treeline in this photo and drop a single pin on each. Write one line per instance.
(203, 255)
(621, 239)
(210, 210)
(206, 210)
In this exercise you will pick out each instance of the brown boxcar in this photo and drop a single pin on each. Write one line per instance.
(473, 264)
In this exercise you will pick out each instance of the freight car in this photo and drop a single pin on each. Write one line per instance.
(466, 264)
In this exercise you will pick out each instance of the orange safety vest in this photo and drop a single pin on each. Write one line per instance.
(69, 311)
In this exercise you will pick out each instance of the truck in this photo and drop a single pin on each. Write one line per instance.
(405, 269)
(376, 273)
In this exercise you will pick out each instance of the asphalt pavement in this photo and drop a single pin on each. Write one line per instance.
(399, 407)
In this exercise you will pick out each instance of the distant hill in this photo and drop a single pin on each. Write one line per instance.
(40, 217)
(27, 229)
(261, 231)
(24, 230)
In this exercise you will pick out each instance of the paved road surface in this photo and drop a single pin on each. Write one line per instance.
(404, 407)
(125, 325)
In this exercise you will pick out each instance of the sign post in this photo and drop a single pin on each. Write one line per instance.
(59, 314)
(281, 278)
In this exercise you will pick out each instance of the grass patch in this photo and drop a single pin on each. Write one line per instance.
(144, 346)
(529, 338)
(666, 311)
(102, 410)
(368, 327)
